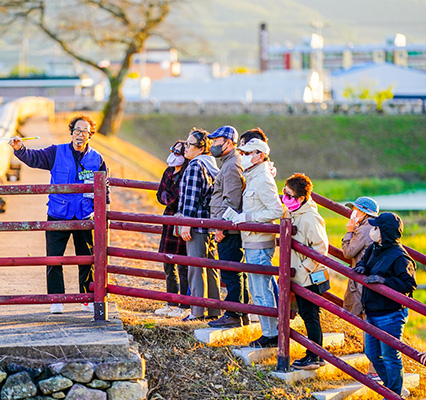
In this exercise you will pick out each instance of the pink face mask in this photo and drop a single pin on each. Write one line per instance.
(292, 204)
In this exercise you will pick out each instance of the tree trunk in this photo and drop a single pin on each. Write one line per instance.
(113, 110)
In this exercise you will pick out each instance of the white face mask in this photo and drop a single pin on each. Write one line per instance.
(375, 234)
(246, 161)
(174, 161)
(354, 216)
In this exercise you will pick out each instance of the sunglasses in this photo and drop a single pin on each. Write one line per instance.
(175, 151)
(189, 144)
(288, 195)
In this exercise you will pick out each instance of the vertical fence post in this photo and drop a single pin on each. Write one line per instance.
(284, 296)
(100, 247)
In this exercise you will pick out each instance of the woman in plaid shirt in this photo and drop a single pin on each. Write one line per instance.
(196, 188)
(168, 195)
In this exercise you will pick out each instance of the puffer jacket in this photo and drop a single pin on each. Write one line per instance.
(310, 232)
(261, 203)
(391, 261)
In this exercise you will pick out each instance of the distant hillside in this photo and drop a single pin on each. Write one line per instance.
(321, 146)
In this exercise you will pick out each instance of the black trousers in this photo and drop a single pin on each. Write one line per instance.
(56, 243)
(310, 315)
(230, 249)
(176, 281)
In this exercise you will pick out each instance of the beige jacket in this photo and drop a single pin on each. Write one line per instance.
(261, 203)
(311, 232)
(354, 245)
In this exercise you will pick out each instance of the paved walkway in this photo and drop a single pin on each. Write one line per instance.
(30, 331)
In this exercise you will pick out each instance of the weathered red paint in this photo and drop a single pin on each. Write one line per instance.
(128, 226)
(346, 271)
(100, 248)
(201, 222)
(354, 320)
(46, 225)
(129, 183)
(47, 298)
(193, 261)
(283, 359)
(46, 189)
(343, 366)
(32, 261)
(198, 301)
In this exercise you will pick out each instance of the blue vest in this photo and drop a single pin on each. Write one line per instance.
(68, 206)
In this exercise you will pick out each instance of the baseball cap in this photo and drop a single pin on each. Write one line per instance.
(227, 132)
(365, 204)
(255, 144)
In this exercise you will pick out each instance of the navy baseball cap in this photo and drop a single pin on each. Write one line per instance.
(227, 132)
(365, 204)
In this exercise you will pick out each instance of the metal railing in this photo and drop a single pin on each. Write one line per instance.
(105, 220)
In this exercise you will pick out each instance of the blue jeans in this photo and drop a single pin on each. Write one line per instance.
(263, 288)
(386, 360)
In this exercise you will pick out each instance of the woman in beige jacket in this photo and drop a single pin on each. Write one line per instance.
(311, 232)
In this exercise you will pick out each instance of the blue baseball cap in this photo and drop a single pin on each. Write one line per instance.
(227, 132)
(365, 204)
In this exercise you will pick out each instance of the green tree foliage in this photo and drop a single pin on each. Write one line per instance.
(92, 30)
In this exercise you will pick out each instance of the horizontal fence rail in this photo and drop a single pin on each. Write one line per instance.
(44, 260)
(72, 225)
(346, 212)
(47, 298)
(46, 189)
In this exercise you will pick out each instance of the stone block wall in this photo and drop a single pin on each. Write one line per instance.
(116, 379)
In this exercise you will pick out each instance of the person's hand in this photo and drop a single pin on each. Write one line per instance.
(239, 218)
(374, 279)
(359, 269)
(351, 225)
(219, 236)
(185, 233)
(423, 358)
(16, 142)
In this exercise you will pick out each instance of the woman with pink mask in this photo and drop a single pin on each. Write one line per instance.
(310, 274)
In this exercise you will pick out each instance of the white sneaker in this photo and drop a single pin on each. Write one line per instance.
(405, 392)
(179, 312)
(164, 310)
(89, 307)
(57, 308)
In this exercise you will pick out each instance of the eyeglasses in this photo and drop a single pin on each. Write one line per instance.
(288, 195)
(175, 151)
(247, 153)
(189, 144)
(80, 132)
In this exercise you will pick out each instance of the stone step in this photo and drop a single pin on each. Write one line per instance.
(300, 375)
(251, 355)
(214, 335)
(361, 391)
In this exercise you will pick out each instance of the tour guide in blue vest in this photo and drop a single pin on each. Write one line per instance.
(73, 162)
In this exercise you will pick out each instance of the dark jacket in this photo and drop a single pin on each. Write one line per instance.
(391, 261)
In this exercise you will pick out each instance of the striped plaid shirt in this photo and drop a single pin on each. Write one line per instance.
(196, 188)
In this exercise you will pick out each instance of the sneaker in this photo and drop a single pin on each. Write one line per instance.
(321, 362)
(265, 341)
(246, 320)
(373, 375)
(89, 307)
(405, 392)
(253, 317)
(57, 308)
(164, 310)
(179, 312)
(306, 363)
(190, 318)
(226, 321)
